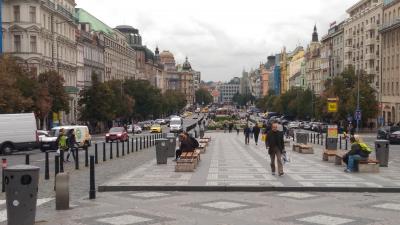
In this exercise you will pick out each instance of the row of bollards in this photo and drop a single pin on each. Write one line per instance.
(318, 138)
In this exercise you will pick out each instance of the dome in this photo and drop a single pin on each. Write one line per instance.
(186, 65)
(167, 57)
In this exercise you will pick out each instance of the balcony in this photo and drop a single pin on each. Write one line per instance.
(370, 27)
(49, 4)
(370, 41)
(370, 56)
(65, 12)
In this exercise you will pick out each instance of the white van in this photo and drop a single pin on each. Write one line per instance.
(82, 137)
(17, 132)
(176, 125)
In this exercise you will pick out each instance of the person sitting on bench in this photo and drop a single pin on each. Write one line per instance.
(355, 154)
(186, 145)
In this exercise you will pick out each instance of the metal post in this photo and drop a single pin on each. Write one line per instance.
(137, 144)
(3, 166)
(346, 144)
(132, 144)
(86, 157)
(46, 166)
(111, 150)
(56, 165)
(318, 138)
(141, 143)
(1, 30)
(92, 189)
(26, 159)
(96, 156)
(77, 158)
(128, 146)
(123, 148)
(104, 152)
(358, 100)
(147, 145)
(117, 149)
(340, 142)
(61, 161)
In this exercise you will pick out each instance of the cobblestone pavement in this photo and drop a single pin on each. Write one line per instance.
(229, 162)
(233, 208)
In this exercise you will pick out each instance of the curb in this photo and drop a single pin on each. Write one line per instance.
(248, 189)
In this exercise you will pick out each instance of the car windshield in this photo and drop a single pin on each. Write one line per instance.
(394, 129)
(175, 122)
(116, 129)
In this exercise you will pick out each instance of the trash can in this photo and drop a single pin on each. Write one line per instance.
(21, 186)
(162, 151)
(382, 152)
(302, 137)
(171, 144)
(331, 143)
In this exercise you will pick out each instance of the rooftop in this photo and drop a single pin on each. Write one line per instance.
(97, 25)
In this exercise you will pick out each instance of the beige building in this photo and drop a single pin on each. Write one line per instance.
(390, 79)
(332, 51)
(297, 58)
(362, 39)
(313, 72)
(41, 34)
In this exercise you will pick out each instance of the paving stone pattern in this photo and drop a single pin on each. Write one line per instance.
(229, 162)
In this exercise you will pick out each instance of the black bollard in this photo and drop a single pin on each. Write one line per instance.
(314, 138)
(111, 150)
(61, 161)
(92, 189)
(96, 156)
(137, 144)
(147, 146)
(77, 158)
(27, 159)
(340, 142)
(346, 144)
(46, 166)
(123, 148)
(104, 152)
(141, 143)
(3, 166)
(117, 149)
(318, 138)
(132, 144)
(128, 146)
(86, 157)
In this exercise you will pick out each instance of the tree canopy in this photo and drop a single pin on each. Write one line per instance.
(203, 97)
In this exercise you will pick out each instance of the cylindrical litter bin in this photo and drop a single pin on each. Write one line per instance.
(382, 152)
(331, 143)
(171, 144)
(21, 193)
(162, 151)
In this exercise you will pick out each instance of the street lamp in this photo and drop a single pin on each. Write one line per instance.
(358, 102)
(1, 28)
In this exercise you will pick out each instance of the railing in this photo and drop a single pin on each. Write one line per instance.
(49, 4)
(65, 12)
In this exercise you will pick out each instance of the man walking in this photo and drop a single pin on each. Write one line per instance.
(276, 147)
(247, 132)
(256, 132)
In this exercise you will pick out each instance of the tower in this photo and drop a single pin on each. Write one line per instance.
(315, 34)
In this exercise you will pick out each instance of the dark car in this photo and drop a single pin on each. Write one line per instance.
(383, 133)
(117, 134)
(394, 136)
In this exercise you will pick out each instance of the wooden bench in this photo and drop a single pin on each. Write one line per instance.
(203, 141)
(368, 166)
(306, 149)
(339, 157)
(188, 161)
(329, 155)
(202, 147)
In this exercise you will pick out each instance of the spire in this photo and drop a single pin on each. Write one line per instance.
(315, 34)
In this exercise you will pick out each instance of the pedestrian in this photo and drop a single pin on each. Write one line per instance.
(247, 133)
(230, 127)
(359, 151)
(71, 144)
(225, 127)
(276, 147)
(185, 145)
(256, 132)
(237, 129)
(62, 142)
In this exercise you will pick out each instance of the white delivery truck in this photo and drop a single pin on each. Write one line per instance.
(176, 125)
(17, 132)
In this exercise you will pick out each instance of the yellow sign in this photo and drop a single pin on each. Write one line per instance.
(332, 131)
(333, 105)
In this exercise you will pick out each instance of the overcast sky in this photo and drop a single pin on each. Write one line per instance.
(221, 37)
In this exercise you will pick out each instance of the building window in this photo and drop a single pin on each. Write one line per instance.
(17, 43)
(33, 44)
(17, 14)
(32, 14)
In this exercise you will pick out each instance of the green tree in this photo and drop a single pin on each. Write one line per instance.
(122, 103)
(203, 97)
(95, 103)
(54, 83)
(173, 102)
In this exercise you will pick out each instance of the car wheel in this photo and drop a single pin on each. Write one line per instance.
(7, 149)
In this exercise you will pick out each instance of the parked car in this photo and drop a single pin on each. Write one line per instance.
(383, 133)
(137, 129)
(129, 128)
(392, 134)
(42, 134)
(156, 128)
(176, 125)
(18, 132)
(82, 135)
(117, 134)
(160, 121)
(293, 125)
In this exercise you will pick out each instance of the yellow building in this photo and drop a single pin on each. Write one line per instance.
(284, 71)
(296, 60)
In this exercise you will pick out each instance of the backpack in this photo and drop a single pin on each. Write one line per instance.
(365, 148)
(195, 143)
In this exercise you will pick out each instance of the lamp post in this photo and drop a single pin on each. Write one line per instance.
(358, 102)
